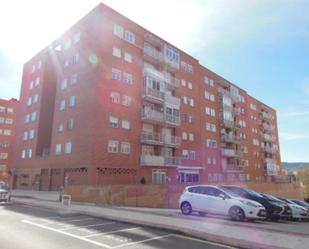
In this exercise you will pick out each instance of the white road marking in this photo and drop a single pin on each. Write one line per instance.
(92, 225)
(145, 240)
(111, 232)
(202, 241)
(62, 222)
(68, 234)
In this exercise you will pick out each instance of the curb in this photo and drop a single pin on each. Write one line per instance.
(238, 243)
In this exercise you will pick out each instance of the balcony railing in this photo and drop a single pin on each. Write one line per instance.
(171, 81)
(172, 141)
(230, 138)
(269, 149)
(268, 138)
(172, 120)
(232, 168)
(153, 116)
(159, 161)
(268, 127)
(265, 115)
(152, 138)
(152, 39)
(271, 169)
(227, 123)
(153, 94)
(172, 100)
(231, 153)
(234, 96)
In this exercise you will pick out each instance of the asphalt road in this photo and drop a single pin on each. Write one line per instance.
(25, 227)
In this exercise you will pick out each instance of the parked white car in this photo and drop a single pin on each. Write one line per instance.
(209, 199)
(298, 212)
(5, 195)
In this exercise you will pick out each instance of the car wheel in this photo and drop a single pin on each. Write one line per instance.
(186, 208)
(237, 214)
(202, 213)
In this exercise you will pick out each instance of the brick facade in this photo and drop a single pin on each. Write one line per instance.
(119, 105)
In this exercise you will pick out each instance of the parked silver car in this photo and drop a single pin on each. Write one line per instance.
(5, 193)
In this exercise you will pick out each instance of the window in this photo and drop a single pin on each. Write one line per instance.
(27, 118)
(9, 121)
(76, 58)
(67, 44)
(60, 127)
(188, 177)
(115, 97)
(68, 148)
(39, 64)
(3, 155)
(72, 101)
(31, 134)
(116, 74)
(25, 136)
(70, 124)
(58, 149)
(191, 137)
(158, 177)
(183, 83)
(192, 155)
(2, 109)
(31, 84)
(186, 118)
(184, 135)
(186, 67)
(118, 30)
(190, 85)
(24, 180)
(29, 101)
(125, 124)
(129, 36)
(113, 146)
(128, 79)
(125, 148)
(29, 153)
(211, 127)
(4, 144)
(76, 37)
(113, 121)
(7, 132)
(33, 68)
(211, 160)
(64, 84)
(35, 98)
(208, 81)
(66, 63)
(117, 52)
(62, 105)
(10, 110)
(33, 116)
(253, 107)
(73, 79)
(23, 154)
(126, 100)
(37, 81)
(211, 143)
(128, 57)
(1, 120)
(209, 96)
(185, 154)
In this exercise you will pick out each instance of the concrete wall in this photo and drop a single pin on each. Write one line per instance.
(160, 196)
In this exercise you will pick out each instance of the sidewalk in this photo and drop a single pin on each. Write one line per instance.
(244, 235)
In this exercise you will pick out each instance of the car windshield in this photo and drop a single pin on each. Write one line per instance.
(3, 186)
(272, 198)
(252, 192)
(302, 203)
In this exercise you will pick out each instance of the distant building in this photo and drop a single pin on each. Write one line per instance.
(7, 135)
(110, 102)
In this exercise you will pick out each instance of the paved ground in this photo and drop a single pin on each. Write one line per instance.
(24, 227)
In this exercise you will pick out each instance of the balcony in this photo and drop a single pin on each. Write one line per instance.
(268, 138)
(151, 138)
(159, 161)
(265, 115)
(157, 57)
(172, 100)
(152, 116)
(153, 95)
(153, 40)
(232, 168)
(172, 120)
(271, 169)
(235, 97)
(227, 123)
(268, 127)
(171, 141)
(230, 138)
(171, 81)
(270, 149)
(231, 153)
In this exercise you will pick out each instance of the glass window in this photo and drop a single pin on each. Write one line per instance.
(128, 78)
(72, 101)
(37, 81)
(118, 30)
(33, 116)
(29, 101)
(25, 136)
(113, 121)
(126, 100)
(23, 154)
(116, 74)
(125, 148)
(64, 84)
(74, 78)
(115, 97)
(60, 127)
(128, 57)
(35, 98)
(58, 149)
(117, 52)
(113, 146)
(125, 124)
(129, 36)
(29, 153)
(68, 148)
(76, 37)
(31, 134)
(70, 124)
(62, 105)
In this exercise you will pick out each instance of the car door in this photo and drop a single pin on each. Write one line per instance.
(217, 204)
(201, 199)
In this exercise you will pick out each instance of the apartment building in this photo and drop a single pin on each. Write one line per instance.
(7, 135)
(110, 102)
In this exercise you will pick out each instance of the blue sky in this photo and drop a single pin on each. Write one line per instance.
(260, 45)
